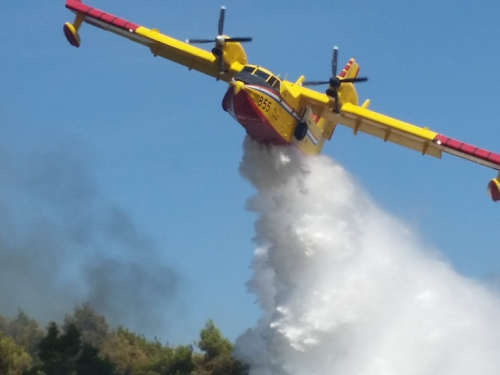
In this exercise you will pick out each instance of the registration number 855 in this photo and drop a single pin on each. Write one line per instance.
(264, 103)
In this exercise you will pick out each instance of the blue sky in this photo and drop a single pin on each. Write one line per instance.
(155, 142)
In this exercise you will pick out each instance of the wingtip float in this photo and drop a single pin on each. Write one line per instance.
(494, 189)
(277, 111)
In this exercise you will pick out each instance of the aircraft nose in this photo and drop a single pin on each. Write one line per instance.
(237, 85)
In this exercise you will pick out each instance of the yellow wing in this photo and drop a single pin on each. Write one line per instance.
(159, 44)
(361, 119)
(389, 129)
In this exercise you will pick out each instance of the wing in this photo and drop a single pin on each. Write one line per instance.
(159, 44)
(414, 137)
(423, 140)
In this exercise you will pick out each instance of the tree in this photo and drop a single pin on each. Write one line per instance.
(93, 327)
(85, 346)
(89, 363)
(133, 354)
(212, 342)
(182, 360)
(58, 352)
(24, 331)
(170, 361)
(66, 354)
(124, 351)
(13, 358)
(218, 359)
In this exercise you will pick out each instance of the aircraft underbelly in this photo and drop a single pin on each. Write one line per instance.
(247, 113)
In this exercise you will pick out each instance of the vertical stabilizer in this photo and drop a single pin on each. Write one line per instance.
(351, 69)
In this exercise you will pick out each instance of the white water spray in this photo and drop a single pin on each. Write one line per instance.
(346, 289)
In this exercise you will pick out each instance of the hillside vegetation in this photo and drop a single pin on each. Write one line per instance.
(85, 345)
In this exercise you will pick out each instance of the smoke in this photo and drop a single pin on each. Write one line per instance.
(61, 245)
(347, 289)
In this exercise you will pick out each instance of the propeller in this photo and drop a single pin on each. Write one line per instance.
(220, 40)
(334, 81)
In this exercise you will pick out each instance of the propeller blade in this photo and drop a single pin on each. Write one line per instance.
(334, 61)
(360, 79)
(241, 39)
(221, 20)
(219, 40)
(314, 83)
(334, 82)
(193, 41)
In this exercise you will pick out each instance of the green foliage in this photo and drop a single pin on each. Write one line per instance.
(66, 354)
(123, 349)
(86, 346)
(89, 362)
(212, 342)
(134, 354)
(58, 352)
(23, 330)
(93, 327)
(13, 358)
(182, 360)
(171, 361)
(217, 359)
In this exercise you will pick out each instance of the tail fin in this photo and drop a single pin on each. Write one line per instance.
(350, 70)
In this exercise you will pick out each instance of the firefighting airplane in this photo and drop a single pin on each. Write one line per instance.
(276, 111)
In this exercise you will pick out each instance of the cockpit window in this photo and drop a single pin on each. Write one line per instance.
(253, 75)
(261, 74)
(248, 69)
(272, 81)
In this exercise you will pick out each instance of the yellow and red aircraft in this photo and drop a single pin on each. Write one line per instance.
(277, 111)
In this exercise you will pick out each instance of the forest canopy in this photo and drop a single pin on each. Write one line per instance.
(84, 344)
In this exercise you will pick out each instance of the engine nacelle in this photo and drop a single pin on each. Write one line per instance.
(494, 189)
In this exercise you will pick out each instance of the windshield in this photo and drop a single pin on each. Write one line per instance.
(253, 75)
